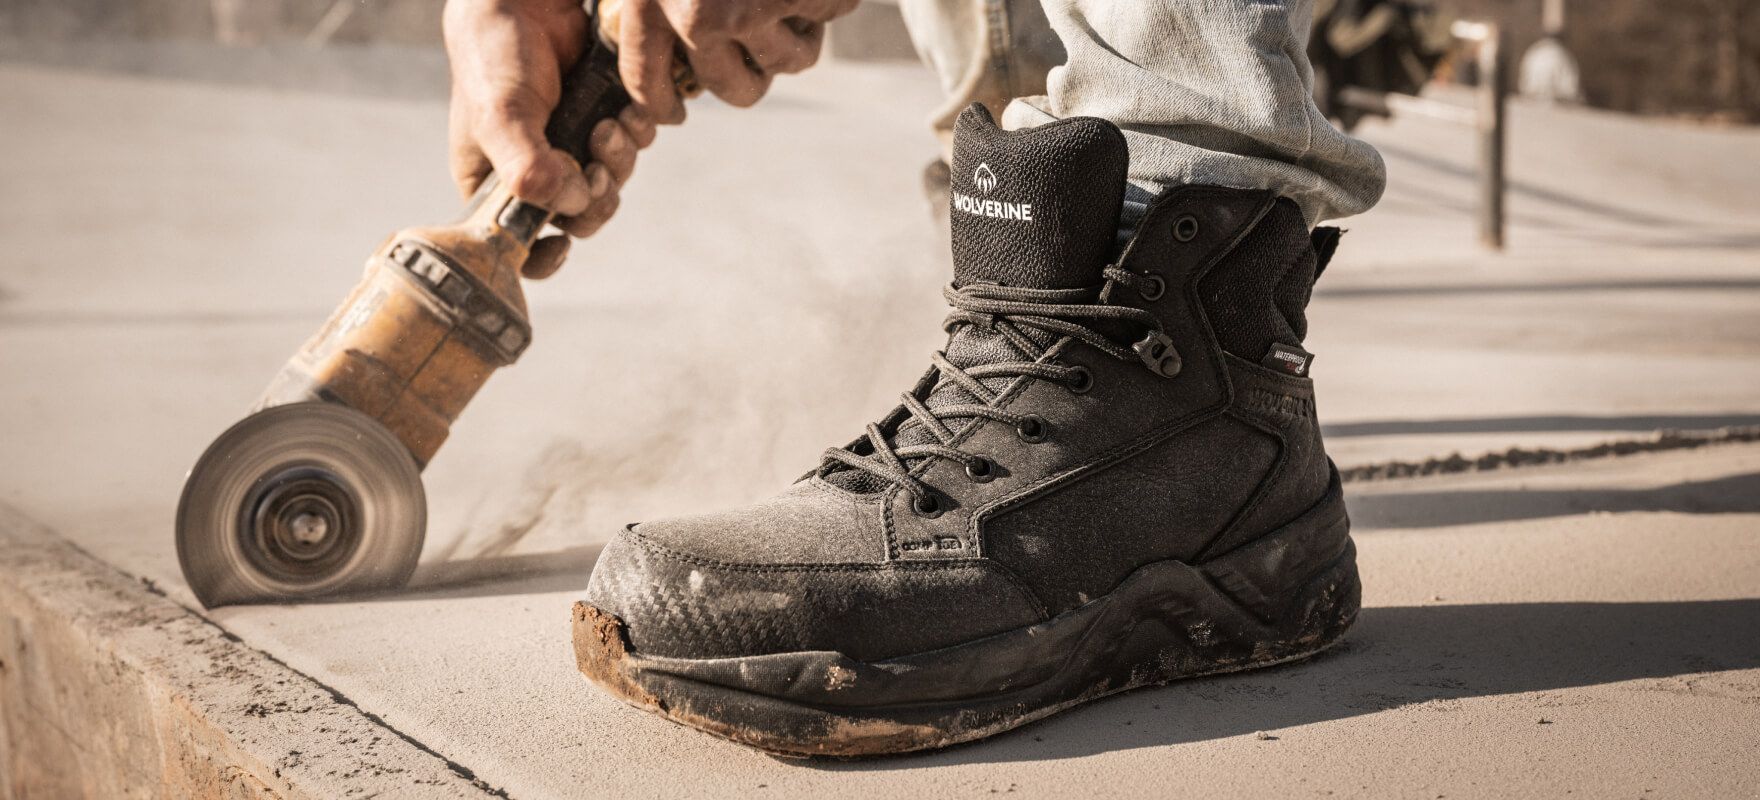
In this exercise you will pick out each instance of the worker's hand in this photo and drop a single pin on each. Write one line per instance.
(735, 47)
(508, 58)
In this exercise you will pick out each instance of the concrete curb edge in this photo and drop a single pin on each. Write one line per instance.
(110, 689)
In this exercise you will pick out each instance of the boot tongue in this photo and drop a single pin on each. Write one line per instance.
(1037, 208)
(1033, 209)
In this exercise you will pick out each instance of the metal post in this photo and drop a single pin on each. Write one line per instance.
(1493, 101)
(1488, 116)
(1728, 78)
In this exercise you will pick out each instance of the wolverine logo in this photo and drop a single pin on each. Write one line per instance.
(994, 209)
(984, 178)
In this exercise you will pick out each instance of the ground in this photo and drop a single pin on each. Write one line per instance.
(772, 283)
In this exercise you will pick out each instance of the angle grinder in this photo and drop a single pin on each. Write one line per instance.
(319, 491)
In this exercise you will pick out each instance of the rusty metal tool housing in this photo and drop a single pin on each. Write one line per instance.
(318, 492)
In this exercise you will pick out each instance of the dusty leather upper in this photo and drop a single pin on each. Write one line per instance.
(1138, 468)
(1132, 468)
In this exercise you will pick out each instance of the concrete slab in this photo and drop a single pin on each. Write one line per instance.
(1619, 602)
(763, 294)
(1592, 630)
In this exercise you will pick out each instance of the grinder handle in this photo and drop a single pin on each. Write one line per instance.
(592, 91)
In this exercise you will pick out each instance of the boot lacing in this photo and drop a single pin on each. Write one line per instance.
(1006, 310)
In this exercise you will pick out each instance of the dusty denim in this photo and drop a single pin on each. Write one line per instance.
(1215, 92)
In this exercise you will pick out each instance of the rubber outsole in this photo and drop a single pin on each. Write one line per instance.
(1285, 597)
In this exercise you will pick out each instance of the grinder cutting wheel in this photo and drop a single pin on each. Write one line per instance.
(300, 500)
(319, 491)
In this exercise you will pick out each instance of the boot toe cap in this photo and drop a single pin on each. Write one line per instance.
(682, 604)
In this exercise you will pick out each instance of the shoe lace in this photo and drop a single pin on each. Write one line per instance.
(1010, 312)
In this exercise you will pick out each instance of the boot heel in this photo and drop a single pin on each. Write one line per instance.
(1289, 594)
(1322, 611)
(1215, 630)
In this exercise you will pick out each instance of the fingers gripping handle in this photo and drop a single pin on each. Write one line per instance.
(591, 93)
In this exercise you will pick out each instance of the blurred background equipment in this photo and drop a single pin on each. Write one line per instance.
(1373, 57)
(1378, 46)
(1692, 58)
(1548, 70)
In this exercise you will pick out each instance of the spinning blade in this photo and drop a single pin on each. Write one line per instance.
(300, 501)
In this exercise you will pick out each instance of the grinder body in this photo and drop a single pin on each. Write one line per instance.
(441, 307)
(438, 310)
(318, 491)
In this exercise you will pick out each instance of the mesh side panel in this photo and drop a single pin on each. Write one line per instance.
(1259, 293)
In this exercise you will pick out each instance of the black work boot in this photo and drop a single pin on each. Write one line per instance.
(1112, 477)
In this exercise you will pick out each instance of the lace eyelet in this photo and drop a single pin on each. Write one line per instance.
(1185, 228)
(926, 506)
(1157, 287)
(1083, 381)
(981, 471)
(1032, 429)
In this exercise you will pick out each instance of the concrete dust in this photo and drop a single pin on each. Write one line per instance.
(709, 405)
(552, 492)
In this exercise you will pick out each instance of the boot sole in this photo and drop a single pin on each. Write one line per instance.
(1282, 598)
